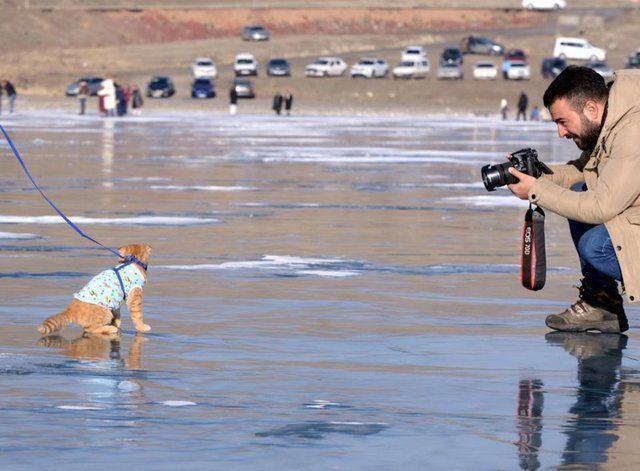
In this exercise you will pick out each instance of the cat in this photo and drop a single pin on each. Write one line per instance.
(96, 307)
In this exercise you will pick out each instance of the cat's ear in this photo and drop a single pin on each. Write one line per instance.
(124, 251)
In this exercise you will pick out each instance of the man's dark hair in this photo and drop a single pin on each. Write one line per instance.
(576, 84)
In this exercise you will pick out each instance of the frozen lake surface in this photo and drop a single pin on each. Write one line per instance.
(324, 293)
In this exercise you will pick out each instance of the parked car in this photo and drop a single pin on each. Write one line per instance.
(413, 53)
(369, 68)
(544, 4)
(633, 61)
(202, 88)
(245, 64)
(411, 69)
(450, 70)
(203, 67)
(552, 66)
(255, 33)
(578, 48)
(92, 82)
(512, 55)
(278, 67)
(604, 69)
(480, 45)
(483, 70)
(326, 66)
(160, 86)
(518, 70)
(244, 88)
(451, 55)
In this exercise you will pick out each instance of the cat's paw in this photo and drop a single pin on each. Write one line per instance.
(143, 328)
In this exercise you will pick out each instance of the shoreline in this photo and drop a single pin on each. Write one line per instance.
(258, 107)
(307, 112)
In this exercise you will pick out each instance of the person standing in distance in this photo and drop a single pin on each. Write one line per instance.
(604, 208)
(288, 102)
(11, 94)
(83, 94)
(233, 100)
(277, 103)
(523, 104)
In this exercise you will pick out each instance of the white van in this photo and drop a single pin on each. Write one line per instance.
(578, 48)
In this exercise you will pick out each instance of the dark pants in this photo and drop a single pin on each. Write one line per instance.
(598, 259)
(522, 113)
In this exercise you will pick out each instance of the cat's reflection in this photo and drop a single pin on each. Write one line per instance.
(97, 347)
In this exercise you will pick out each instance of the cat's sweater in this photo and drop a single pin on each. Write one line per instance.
(104, 288)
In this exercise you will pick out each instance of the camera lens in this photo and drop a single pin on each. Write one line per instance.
(494, 176)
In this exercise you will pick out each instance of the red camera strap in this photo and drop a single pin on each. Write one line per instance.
(533, 260)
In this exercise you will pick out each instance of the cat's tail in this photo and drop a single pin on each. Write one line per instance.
(55, 323)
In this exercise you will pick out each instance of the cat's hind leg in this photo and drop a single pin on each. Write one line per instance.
(100, 322)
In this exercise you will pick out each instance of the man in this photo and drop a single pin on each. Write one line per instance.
(523, 103)
(233, 100)
(83, 94)
(604, 218)
(277, 103)
(288, 102)
(11, 94)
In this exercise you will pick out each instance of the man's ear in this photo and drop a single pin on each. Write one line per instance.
(591, 110)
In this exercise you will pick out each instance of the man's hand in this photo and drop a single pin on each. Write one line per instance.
(521, 189)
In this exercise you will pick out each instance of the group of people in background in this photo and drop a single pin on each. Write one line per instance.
(7, 88)
(523, 105)
(280, 100)
(285, 99)
(113, 98)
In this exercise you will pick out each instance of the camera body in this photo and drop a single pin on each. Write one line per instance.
(523, 160)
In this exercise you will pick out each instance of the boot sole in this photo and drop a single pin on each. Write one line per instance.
(612, 327)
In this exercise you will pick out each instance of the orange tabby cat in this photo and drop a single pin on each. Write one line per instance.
(96, 307)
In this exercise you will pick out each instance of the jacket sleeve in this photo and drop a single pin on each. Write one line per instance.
(616, 188)
(565, 175)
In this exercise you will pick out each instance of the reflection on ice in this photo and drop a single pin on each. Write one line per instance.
(318, 430)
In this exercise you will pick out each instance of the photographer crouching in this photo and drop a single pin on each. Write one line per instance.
(599, 193)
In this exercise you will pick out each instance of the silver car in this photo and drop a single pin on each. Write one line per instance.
(450, 70)
(604, 69)
(255, 33)
(370, 68)
(244, 88)
(94, 84)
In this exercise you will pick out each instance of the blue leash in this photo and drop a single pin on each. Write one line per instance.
(128, 258)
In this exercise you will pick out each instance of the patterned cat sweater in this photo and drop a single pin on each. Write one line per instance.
(104, 288)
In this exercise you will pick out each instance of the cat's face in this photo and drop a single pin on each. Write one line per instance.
(141, 252)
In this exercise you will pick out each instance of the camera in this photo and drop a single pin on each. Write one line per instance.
(523, 160)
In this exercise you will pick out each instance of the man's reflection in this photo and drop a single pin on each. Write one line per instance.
(591, 428)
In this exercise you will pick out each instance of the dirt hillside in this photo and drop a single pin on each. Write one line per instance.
(46, 47)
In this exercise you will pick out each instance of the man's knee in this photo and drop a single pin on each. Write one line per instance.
(593, 244)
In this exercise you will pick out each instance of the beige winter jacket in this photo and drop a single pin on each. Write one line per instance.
(612, 174)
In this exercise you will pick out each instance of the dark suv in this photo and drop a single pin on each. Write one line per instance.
(160, 87)
(552, 66)
(451, 55)
(480, 45)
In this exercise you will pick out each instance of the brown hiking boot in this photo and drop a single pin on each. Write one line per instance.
(597, 309)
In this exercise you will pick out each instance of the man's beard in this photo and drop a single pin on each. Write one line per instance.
(588, 138)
